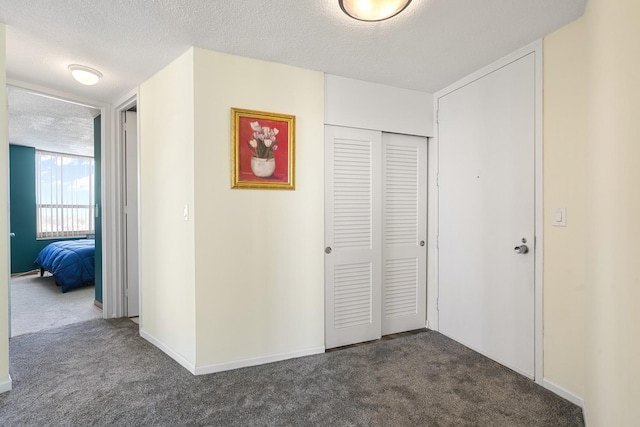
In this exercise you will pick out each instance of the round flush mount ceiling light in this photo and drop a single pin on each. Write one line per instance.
(85, 75)
(373, 10)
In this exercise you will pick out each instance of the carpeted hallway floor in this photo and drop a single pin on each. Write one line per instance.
(102, 373)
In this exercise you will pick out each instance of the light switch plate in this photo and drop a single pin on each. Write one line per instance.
(559, 217)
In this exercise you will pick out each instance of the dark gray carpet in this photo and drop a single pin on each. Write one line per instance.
(102, 373)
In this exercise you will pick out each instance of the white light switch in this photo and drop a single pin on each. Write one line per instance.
(560, 217)
(186, 212)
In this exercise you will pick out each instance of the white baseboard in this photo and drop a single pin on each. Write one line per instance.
(6, 385)
(585, 415)
(175, 356)
(227, 366)
(571, 397)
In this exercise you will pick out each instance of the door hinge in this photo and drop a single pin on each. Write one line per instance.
(438, 180)
(438, 303)
(438, 241)
(438, 116)
(125, 210)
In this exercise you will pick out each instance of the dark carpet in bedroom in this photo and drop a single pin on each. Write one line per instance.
(102, 373)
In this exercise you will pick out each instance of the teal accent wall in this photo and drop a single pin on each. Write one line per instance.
(22, 202)
(97, 155)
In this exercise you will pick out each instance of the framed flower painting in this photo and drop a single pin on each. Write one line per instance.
(262, 150)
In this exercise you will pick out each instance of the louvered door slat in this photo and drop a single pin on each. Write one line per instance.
(352, 174)
(400, 287)
(352, 295)
(401, 207)
(352, 229)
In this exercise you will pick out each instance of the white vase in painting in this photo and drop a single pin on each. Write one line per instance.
(263, 168)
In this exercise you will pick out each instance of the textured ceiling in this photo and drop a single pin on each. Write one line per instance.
(50, 124)
(430, 45)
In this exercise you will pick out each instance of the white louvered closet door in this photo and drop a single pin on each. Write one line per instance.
(404, 232)
(375, 222)
(352, 236)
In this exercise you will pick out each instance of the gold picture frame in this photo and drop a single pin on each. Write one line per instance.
(262, 150)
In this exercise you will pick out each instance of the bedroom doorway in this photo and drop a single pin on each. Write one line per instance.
(54, 196)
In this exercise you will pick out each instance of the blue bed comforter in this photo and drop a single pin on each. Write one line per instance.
(72, 262)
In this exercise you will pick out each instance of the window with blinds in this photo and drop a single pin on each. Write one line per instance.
(64, 195)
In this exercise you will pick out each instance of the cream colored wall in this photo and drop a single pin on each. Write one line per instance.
(259, 253)
(565, 115)
(167, 266)
(613, 204)
(5, 381)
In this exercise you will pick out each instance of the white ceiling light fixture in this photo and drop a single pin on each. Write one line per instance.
(373, 10)
(85, 75)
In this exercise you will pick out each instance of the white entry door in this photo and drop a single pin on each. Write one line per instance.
(131, 213)
(375, 222)
(486, 132)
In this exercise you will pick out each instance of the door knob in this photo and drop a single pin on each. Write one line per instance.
(421, 242)
(521, 250)
(327, 250)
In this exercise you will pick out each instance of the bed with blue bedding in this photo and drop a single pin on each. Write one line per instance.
(72, 262)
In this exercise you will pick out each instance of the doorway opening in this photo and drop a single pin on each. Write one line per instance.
(55, 200)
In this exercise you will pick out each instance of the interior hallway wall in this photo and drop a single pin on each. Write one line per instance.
(241, 280)
(613, 206)
(565, 115)
(259, 253)
(167, 268)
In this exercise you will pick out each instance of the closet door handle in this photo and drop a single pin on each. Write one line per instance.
(421, 242)
(327, 250)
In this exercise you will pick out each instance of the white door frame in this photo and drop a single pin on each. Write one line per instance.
(108, 278)
(432, 253)
(115, 197)
(130, 100)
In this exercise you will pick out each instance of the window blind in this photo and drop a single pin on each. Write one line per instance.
(64, 195)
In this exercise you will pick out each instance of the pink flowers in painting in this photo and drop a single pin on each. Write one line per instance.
(263, 142)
